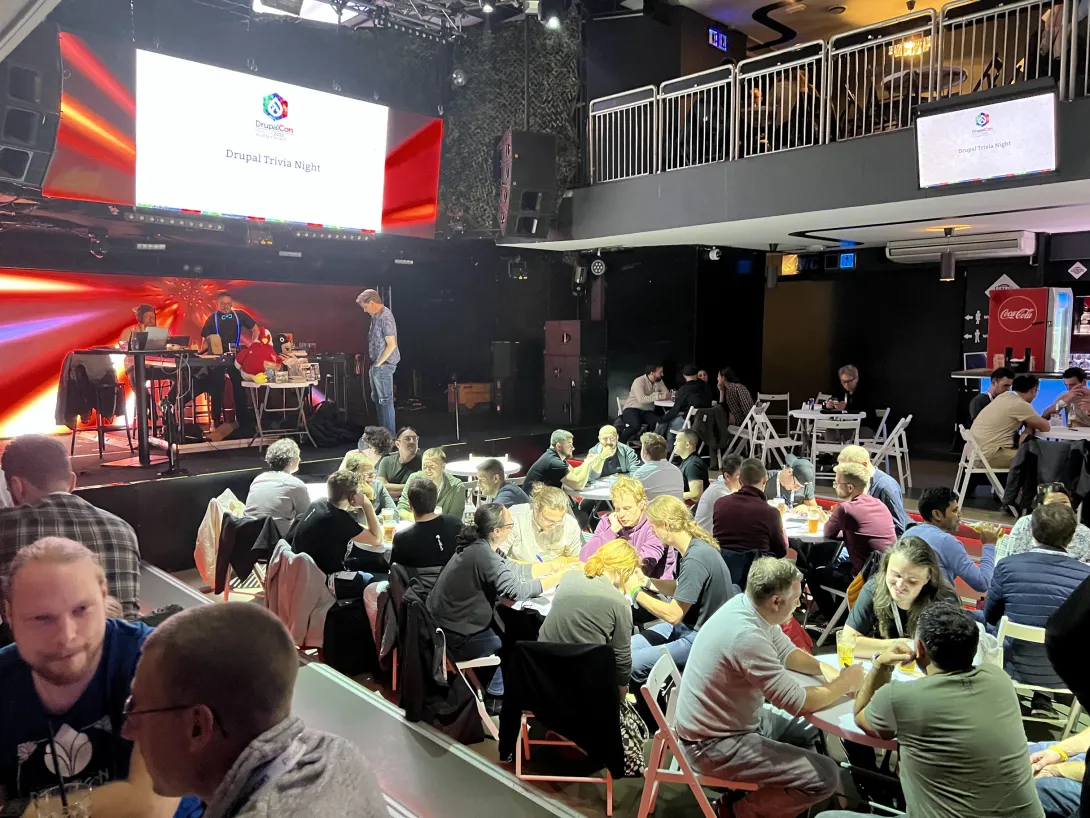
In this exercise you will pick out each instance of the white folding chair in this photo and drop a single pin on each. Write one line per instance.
(667, 762)
(822, 397)
(820, 444)
(880, 433)
(766, 440)
(522, 746)
(620, 406)
(465, 670)
(776, 398)
(742, 434)
(1028, 633)
(894, 446)
(967, 467)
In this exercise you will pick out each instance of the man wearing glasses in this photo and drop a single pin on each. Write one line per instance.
(857, 399)
(63, 686)
(395, 468)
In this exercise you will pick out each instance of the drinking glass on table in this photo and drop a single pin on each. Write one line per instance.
(845, 647)
(813, 520)
(48, 804)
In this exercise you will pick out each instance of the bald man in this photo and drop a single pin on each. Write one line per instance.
(221, 732)
(880, 485)
(65, 681)
(39, 478)
(623, 460)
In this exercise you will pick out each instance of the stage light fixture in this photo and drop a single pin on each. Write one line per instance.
(714, 254)
(151, 246)
(487, 8)
(290, 254)
(458, 78)
(550, 12)
(553, 23)
(947, 268)
(97, 245)
(598, 267)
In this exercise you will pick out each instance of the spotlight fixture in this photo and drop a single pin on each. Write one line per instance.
(290, 254)
(487, 8)
(458, 78)
(550, 12)
(174, 221)
(553, 23)
(151, 245)
(947, 270)
(598, 267)
(714, 254)
(97, 245)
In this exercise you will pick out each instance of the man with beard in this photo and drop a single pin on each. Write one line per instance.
(395, 468)
(64, 682)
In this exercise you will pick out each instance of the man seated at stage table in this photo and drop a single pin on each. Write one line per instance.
(638, 409)
(40, 480)
(658, 475)
(543, 529)
(326, 529)
(628, 521)
(145, 317)
(227, 323)
(463, 600)
(997, 425)
(495, 487)
(623, 460)
(941, 520)
(908, 580)
(739, 711)
(452, 490)
(395, 468)
(694, 471)
(277, 492)
(959, 729)
(794, 484)
(744, 521)
(728, 482)
(429, 543)
(552, 467)
(360, 464)
(66, 680)
(1076, 400)
(693, 393)
(226, 733)
(703, 585)
(880, 485)
(857, 399)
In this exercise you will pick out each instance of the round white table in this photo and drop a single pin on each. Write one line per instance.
(598, 490)
(839, 718)
(1065, 433)
(799, 528)
(817, 414)
(666, 404)
(468, 468)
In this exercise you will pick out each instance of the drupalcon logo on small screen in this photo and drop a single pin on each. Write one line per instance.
(275, 108)
(982, 120)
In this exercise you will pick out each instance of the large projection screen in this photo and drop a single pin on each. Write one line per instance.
(224, 143)
(997, 140)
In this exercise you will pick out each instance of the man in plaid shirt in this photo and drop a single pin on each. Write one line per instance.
(40, 479)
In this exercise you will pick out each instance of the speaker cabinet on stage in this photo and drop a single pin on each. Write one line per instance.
(576, 407)
(30, 98)
(516, 379)
(585, 339)
(527, 184)
(576, 373)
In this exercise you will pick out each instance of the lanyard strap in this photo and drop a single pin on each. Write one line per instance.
(238, 328)
(897, 620)
(266, 773)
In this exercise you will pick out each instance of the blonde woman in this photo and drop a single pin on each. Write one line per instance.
(590, 607)
(452, 491)
(544, 529)
(703, 585)
(629, 522)
(360, 464)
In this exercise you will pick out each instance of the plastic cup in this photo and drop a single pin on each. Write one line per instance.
(845, 648)
(812, 524)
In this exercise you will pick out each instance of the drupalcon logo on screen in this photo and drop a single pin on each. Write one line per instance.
(275, 108)
(983, 123)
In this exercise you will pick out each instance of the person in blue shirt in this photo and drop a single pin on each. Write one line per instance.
(384, 352)
(939, 509)
(64, 684)
(881, 486)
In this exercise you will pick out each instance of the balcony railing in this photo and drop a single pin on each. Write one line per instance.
(866, 81)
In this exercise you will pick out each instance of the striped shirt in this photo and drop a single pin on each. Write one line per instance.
(65, 515)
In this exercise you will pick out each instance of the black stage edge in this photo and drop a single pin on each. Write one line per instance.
(166, 511)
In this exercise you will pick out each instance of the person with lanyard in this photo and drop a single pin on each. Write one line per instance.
(227, 324)
(227, 733)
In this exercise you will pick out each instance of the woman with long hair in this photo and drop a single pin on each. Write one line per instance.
(375, 443)
(628, 521)
(908, 579)
(703, 584)
(359, 464)
(591, 606)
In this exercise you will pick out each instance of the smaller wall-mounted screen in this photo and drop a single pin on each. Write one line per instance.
(1014, 137)
(225, 143)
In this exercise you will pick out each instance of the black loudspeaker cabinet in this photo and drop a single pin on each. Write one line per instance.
(30, 98)
(565, 371)
(517, 399)
(586, 339)
(576, 407)
(517, 360)
(527, 184)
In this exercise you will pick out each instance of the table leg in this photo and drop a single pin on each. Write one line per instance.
(139, 374)
(259, 410)
(303, 418)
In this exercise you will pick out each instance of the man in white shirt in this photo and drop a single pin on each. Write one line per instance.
(727, 482)
(739, 661)
(639, 409)
(658, 475)
(543, 529)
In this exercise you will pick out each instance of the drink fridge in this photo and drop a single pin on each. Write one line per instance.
(1034, 323)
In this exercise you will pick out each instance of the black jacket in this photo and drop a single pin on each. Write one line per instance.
(1047, 461)
(1066, 636)
(88, 382)
(243, 542)
(572, 690)
(691, 393)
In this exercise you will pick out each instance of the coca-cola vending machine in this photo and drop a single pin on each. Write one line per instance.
(1037, 319)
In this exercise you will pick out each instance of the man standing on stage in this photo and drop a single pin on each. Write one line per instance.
(228, 323)
(384, 354)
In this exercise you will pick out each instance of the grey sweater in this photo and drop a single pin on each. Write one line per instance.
(591, 612)
(331, 777)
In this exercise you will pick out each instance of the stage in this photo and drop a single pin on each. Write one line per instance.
(166, 511)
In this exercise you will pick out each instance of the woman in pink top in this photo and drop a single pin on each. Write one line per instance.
(628, 522)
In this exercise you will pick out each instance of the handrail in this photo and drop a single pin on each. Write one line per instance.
(623, 135)
(927, 14)
(694, 118)
(693, 82)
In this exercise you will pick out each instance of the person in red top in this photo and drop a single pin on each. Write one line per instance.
(744, 521)
(867, 526)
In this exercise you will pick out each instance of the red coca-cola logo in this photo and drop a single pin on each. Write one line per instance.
(1017, 314)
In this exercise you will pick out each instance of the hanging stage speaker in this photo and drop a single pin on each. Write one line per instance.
(527, 189)
(30, 98)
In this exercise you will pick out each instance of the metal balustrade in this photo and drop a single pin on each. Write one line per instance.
(869, 80)
(989, 44)
(779, 101)
(623, 135)
(878, 75)
(694, 116)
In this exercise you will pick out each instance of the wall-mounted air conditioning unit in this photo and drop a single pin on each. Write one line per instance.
(982, 245)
